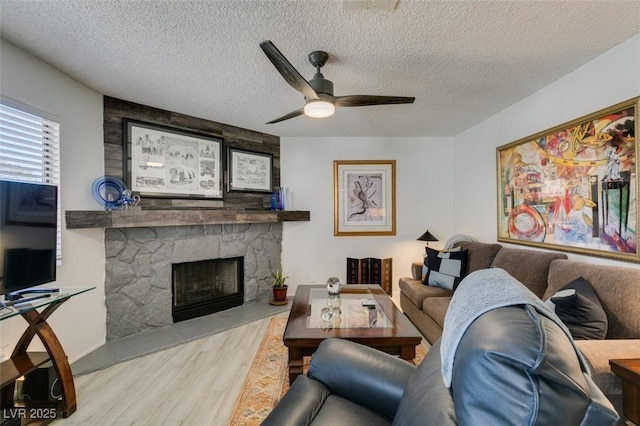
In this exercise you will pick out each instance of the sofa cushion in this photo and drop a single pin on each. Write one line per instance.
(598, 354)
(445, 268)
(577, 305)
(430, 329)
(618, 290)
(527, 266)
(416, 292)
(480, 255)
(436, 308)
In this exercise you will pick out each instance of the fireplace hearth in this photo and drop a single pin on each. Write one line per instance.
(206, 286)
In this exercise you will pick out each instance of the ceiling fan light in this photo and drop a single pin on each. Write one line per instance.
(319, 109)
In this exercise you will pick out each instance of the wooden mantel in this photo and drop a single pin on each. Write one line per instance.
(150, 218)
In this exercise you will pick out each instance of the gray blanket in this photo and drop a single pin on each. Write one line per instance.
(480, 292)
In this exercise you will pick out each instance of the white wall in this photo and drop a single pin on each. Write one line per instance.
(605, 81)
(80, 322)
(424, 199)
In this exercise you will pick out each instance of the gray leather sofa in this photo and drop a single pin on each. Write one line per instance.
(512, 366)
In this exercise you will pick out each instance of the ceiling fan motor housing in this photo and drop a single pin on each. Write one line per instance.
(321, 84)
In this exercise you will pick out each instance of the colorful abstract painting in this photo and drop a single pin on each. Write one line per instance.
(574, 187)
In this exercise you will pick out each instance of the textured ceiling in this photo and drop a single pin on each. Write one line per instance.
(462, 60)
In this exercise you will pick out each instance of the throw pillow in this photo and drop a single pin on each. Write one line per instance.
(578, 307)
(445, 268)
(425, 265)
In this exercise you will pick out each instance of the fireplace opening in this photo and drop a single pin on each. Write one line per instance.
(206, 286)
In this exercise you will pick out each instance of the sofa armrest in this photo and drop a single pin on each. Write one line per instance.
(416, 270)
(366, 376)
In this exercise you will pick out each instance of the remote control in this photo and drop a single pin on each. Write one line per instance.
(24, 300)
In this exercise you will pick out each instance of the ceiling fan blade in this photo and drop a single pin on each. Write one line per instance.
(290, 74)
(366, 100)
(288, 116)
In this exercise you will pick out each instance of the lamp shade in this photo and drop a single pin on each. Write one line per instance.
(427, 236)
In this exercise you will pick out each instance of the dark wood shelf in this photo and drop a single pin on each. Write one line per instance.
(12, 369)
(23, 362)
(138, 218)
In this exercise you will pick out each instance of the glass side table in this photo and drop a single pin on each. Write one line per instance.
(23, 362)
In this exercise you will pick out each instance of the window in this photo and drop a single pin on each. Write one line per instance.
(29, 151)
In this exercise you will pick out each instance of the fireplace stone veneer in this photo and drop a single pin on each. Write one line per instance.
(138, 267)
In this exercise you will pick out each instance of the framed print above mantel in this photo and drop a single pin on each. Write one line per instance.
(574, 187)
(364, 197)
(167, 162)
(249, 171)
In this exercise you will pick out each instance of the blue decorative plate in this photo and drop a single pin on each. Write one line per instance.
(107, 191)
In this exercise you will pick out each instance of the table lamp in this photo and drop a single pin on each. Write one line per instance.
(427, 236)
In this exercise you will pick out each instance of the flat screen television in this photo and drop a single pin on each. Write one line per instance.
(28, 225)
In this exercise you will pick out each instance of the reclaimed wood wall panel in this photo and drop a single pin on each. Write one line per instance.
(115, 110)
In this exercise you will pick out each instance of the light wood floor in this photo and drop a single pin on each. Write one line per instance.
(196, 383)
(193, 384)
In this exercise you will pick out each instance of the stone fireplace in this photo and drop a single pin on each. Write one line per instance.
(206, 286)
(138, 281)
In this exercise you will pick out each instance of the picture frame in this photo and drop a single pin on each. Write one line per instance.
(364, 197)
(164, 162)
(249, 171)
(574, 187)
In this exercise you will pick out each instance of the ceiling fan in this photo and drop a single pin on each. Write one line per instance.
(318, 92)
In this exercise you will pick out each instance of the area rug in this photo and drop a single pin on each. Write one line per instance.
(268, 378)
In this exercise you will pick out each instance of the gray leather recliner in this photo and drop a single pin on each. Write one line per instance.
(513, 366)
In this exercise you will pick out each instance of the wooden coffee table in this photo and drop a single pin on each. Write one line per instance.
(629, 372)
(385, 328)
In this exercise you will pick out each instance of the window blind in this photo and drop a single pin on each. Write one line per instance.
(30, 152)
